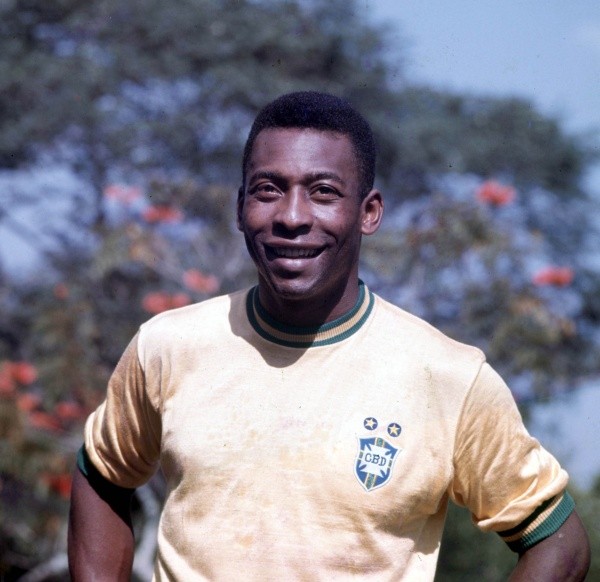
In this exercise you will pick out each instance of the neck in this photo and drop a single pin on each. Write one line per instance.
(306, 336)
(302, 312)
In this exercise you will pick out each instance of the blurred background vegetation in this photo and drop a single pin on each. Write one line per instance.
(121, 129)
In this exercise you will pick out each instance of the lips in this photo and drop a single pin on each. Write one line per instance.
(280, 252)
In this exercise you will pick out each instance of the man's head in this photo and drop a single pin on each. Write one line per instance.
(303, 207)
(322, 112)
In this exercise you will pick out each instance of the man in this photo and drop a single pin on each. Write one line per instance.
(306, 428)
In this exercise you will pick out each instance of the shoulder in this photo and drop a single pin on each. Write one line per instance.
(405, 333)
(206, 319)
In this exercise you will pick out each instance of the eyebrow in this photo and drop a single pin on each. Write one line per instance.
(273, 176)
(325, 176)
(312, 177)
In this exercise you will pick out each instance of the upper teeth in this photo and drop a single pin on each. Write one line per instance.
(293, 253)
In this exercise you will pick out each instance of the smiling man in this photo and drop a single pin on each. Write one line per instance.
(308, 429)
(303, 210)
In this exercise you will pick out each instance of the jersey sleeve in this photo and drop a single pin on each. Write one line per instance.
(507, 480)
(122, 437)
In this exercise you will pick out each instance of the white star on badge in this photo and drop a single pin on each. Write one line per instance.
(394, 429)
(370, 423)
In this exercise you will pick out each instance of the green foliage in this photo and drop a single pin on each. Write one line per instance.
(488, 137)
(469, 554)
(101, 67)
(470, 270)
(588, 508)
(147, 104)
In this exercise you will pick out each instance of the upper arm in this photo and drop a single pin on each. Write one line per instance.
(563, 556)
(100, 540)
(122, 436)
(122, 439)
(508, 481)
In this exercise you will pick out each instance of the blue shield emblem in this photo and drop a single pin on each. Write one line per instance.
(374, 462)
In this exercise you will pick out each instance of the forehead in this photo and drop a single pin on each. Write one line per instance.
(296, 150)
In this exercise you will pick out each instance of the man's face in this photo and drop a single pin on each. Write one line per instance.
(302, 217)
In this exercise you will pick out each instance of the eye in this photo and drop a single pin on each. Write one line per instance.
(325, 192)
(265, 191)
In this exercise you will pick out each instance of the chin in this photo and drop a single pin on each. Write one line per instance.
(291, 291)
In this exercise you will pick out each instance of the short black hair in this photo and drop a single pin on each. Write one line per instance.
(323, 112)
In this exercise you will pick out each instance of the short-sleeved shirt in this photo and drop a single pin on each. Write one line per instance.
(319, 453)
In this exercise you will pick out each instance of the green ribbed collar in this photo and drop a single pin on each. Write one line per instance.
(305, 337)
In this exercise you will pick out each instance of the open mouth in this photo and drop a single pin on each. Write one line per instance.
(291, 252)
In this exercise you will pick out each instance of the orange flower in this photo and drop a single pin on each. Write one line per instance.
(61, 291)
(68, 411)
(154, 214)
(28, 401)
(554, 276)
(158, 301)
(60, 484)
(44, 421)
(495, 194)
(180, 299)
(122, 193)
(7, 382)
(197, 281)
(23, 372)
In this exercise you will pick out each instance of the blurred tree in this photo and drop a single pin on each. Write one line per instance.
(469, 264)
(491, 562)
(128, 119)
(468, 554)
(488, 137)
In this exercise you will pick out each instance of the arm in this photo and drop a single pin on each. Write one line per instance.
(101, 543)
(564, 556)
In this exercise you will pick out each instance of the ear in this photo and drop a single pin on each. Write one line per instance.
(372, 212)
(240, 207)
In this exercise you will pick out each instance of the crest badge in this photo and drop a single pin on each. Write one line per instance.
(374, 462)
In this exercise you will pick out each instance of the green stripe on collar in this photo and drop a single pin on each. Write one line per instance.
(306, 337)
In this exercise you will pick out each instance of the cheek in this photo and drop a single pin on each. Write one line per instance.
(346, 227)
(250, 248)
(252, 230)
(254, 219)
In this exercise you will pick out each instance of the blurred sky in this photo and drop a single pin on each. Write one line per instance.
(548, 52)
(545, 50)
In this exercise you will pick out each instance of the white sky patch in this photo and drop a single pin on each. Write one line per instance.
(34, 203)
(588, 35)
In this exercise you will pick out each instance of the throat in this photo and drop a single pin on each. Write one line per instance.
(299, 331)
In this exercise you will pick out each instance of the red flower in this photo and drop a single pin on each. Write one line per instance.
(197, 281)
(67, 411)
(60, 484)
(44, 421)
(158, 301)
(180, 300)
(495, 194)
(61, 291)
(13, 373)
(555, 276)
(154, 214)
(7, 381)
(123, 194)
(28, 401)
(23, 372)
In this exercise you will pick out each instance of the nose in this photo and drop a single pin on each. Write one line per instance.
(294, 211)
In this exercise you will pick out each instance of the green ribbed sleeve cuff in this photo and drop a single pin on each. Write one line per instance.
(542, 523)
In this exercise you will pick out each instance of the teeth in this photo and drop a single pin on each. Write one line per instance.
(295, 253)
